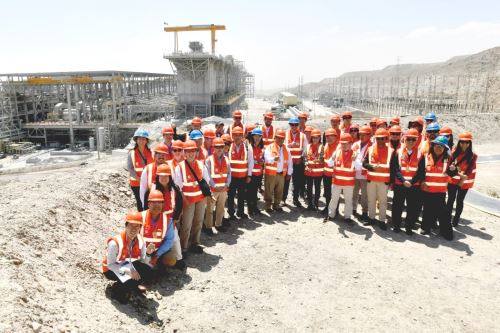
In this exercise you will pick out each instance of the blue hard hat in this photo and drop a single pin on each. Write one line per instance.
(195, 135)
(293, 120)
(141, 133)
(433, 127)
(430, 116)
(441, 140)
(257, 131)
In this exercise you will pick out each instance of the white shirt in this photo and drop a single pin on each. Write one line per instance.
(269, 158)
(358, 163)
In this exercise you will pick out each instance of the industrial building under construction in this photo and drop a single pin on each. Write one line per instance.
(69, 107)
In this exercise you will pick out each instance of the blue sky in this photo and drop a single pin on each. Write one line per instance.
(277, 40)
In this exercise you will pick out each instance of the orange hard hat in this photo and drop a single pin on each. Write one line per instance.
(161, 148)
(374, 121)
(167, 130)
(330, 132)
(345, 138)
(381, 121)
(218, 142)
(381, 133)
(419, 121)
(395, 129)
(209, 133)
(365, 130)
(316, 132)
(134, 218)
(269, 115)
(395, 120)
(335, 117)
(303, 115)
(413, 133)
(237, 113)
(250, 127)
(280, 133)
(309, 129)
(177, 144)
(196, 121)
(190, 145)
(237, 130)
(465, 136)
(355, 126)
(226, 138)
(163, 170)
(445, 130)
(346, 114)
(155, 195)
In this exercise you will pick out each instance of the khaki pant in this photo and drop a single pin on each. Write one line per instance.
(360, 184)
(175, 253)
(332, 207)
(273, 189)
(220, 202)
(377, 191)
(192, 220)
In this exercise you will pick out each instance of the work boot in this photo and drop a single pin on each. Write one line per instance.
(180, 265)
(409, 232)
(348, 220)
(221, 228)
(368, 222)
(310, 208)
(396, 229)
(269, 210)
(382, 225)
(425, 232)
(297, 203)
(364, 216)
(196, 249)
(278, 209)
(242, 216)
(208, 231)
(455, 221)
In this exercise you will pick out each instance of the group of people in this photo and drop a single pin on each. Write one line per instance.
(183, 185)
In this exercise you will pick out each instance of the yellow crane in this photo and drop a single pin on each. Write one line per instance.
(204, 27)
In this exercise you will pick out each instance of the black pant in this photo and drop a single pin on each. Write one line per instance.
(298, 180)
(130, 285)
(412, 197)
(327, 189)
(316, 182)
(435, 210)
(253, 188)
(453, 190)
(136, 191)
(237, 185)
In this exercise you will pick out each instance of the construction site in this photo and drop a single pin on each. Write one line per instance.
(65, 189)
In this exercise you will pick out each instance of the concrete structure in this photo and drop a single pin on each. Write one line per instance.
(35, 105)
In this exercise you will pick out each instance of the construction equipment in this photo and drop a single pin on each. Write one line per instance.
(205, 27)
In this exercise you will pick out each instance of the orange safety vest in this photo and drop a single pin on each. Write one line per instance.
(270, 169)
(383, 173)
(295, 144)
(190, 187)
(313, 169)
(267, 135)
(239, 161)
(408, 165)
(258, 158)
(123, 246)
(462, 167)
(344, 173)
(218, 171)
(151, 170)
(356, 147)
(232, 126)
(329, 150)
(172, 164)
(435, 175)
(139, 165)
(154, 234)
(201, 154)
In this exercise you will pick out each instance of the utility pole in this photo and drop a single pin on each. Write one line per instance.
(70, 116)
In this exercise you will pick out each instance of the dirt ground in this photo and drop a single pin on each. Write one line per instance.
(287, 272)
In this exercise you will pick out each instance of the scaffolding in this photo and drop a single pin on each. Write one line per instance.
(58, 105)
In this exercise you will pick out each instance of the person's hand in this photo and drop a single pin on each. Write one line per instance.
(248, 180)
(452, 167)
(287, 177)
(226, 189)
(407, 184)
(463, 176)
(135, 275)
(424, 186)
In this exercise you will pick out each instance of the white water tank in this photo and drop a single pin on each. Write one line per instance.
(91, 143)
(100, 138)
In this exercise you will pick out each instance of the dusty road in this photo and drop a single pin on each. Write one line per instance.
(287, 272)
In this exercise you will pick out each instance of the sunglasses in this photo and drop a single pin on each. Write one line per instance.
(432, 132)
(464, 142)
(397, 134)
(410, 139)
(219, 147)
(227, 143)
(353, 130)
(347, 117)
(380, 139)
(176, 150)
(293, 125)
(237, 118)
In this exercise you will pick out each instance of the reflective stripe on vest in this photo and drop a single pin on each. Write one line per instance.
(295, 147)
(151, 170)
(469, 182)
(271, 169)
(218, 171)
(356, 147)
(239, 163)
(138, 164)
(408, 168)
(383, 173)
(435, 176)
(313, 169)
(267, 138)
(258, 157)
(329, 150)
(344, 173)
(190, 187)
(122, 244)
(154, 235)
